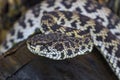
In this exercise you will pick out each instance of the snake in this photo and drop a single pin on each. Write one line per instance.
(60, 42)
(29, 23)
(33, 20)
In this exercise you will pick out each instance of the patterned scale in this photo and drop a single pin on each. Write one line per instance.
(30, 22)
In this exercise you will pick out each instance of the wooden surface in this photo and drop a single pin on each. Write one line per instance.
(87, 67)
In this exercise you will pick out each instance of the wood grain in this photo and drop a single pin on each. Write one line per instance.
(20, 64)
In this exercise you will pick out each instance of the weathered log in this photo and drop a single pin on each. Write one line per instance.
(20, 64)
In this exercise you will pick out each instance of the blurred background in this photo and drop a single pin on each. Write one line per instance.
(11, 10)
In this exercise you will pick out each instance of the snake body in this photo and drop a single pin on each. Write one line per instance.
(98, 22)
(29, 23)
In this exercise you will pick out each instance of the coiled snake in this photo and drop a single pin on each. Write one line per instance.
(67, 32)
(59, 42)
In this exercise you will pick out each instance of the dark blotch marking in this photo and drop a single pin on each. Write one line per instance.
(89, 46)
(30, 22)
(113, 19)
(83, 32)
(12, 40)
(67, 44)
(37, 31)
(22, 22)
(65, 3)
(42, 48)
(55, 14)
(69, 52)
(83, 47)
(68, 15)
(118, 52)
(99, 19)
(45, 27)
(110, 49)
(98, 27)
(20, 35)
(12, 32)
(69, 29)
(76, 50)
(36, 10)
(53, 55)
(76, 40)
(83, 22)
(62, 22)
(110, 37)
(107, 58)
(118, 34)
(45, 17)
(46, 47)
(94, 6)
(110, 26)
(59, 47)
(49, 18)
(62, 55)
(99, 38)
(44, 12)
(55, 27)
(72, 44)
(57, 8)
(118, 63)
(87, 40)
(78, 9)
(50, 43)
(84, 19)
(74, 24)
(51, 3)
